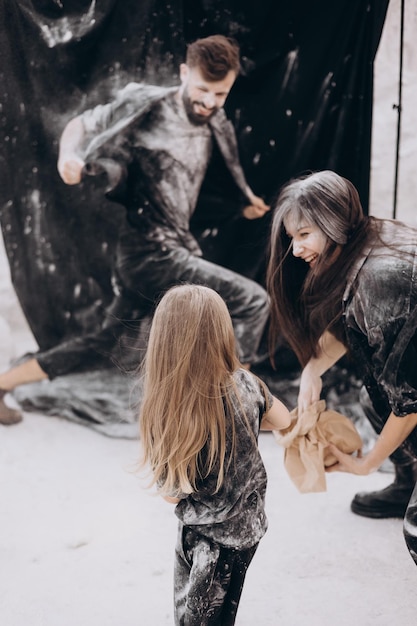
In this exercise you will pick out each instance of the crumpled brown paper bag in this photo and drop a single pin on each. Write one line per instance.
(305, 444)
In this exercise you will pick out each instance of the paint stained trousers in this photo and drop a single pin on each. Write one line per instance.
(142, 277)
(208, 580)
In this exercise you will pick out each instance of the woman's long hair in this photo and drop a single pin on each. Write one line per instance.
(308, 301)
(188, 377)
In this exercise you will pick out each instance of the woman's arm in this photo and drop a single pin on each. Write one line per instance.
(394, 433)
(277, 418)
(330, 351)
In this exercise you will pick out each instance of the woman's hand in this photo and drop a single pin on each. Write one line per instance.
(310, 389)
(349, 463)
(330, 351)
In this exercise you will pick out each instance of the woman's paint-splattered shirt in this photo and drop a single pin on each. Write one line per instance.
(380, 316)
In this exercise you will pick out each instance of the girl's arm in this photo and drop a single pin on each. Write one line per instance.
(395, 431)
(277, 418)
(330, 351)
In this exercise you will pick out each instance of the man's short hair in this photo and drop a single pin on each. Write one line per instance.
(215, 56)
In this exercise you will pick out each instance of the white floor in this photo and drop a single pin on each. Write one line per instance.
(82, 542)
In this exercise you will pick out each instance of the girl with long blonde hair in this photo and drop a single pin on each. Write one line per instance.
(199, 424)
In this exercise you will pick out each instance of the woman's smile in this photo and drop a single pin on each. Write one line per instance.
(308, 241)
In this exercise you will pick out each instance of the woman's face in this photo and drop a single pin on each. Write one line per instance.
(308, 241)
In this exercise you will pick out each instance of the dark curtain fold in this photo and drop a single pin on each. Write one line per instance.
(303, 102)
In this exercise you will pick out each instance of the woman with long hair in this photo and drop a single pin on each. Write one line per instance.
(342, 282)
(199, 423)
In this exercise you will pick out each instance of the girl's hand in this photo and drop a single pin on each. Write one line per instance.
(348, 463)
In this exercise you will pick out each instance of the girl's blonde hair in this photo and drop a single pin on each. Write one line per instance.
(188, 369)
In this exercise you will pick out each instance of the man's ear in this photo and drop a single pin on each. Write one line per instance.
(184, 71)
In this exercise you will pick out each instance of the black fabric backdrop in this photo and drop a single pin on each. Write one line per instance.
(303, 102)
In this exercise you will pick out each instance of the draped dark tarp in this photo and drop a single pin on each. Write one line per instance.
(303, 102)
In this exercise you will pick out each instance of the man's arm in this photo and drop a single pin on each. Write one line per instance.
(82, 129)
(70, 163)
(225, 136)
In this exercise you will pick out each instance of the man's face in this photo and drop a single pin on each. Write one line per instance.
(202, 98)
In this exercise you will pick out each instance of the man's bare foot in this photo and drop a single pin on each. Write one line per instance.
(8, 416)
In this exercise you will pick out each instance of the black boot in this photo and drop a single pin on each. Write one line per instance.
(391, 501)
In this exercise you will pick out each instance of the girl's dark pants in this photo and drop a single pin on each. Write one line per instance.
(208, 580)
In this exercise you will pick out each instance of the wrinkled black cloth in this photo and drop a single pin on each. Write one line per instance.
(105, 400)
(303, 101)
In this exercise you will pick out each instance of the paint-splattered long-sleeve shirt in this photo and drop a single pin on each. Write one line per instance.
(235, 515)
(145, 136)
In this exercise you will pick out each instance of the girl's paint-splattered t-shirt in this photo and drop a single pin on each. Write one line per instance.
(235, 515)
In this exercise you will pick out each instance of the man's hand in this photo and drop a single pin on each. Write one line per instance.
(257, 207)
(70, 164)
(70, 169)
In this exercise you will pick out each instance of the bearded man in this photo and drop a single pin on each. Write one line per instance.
(155, 144)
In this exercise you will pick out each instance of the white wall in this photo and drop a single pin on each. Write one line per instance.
(385, 117)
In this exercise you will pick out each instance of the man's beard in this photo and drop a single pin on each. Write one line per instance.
(194, 117)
